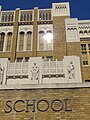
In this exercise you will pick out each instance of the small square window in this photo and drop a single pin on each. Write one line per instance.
(49, 58)
(19, 59)
(26, 59)
(83, 46)
(85, 62)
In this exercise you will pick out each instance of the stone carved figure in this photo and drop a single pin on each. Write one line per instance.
(71, 70)
(35, 72)
(1, 74)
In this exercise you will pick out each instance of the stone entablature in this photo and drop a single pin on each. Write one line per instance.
(76, 29)
(26, 15)
(60, 9)
(45, 15)
(84, 28)
(37, 71)
(72, 34)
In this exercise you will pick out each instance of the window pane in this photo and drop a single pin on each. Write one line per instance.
(29, 35)
(45, 40)
(83, 46)
(2, 36)
(9, 37)
(19, 59)
(89, 46)
(41, 40)
(21, 41)
(84, 58)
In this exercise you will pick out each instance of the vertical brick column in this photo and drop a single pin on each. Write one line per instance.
(0, 10)
(35, 33)
(59, 40)
(15, 35)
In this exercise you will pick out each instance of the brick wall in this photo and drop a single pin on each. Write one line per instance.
(74, 102)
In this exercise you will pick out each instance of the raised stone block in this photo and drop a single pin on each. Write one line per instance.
(3, 70)
(35, 70)
(72, 69)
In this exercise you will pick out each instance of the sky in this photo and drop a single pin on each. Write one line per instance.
(78, 8)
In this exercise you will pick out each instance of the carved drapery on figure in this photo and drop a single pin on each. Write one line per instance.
(71, 71)
(1, 74)
(35, 72)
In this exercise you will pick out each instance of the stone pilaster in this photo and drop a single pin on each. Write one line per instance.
(15, 35)
(35, 33)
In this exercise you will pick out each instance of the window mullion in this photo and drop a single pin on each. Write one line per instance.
(5, 43)
(25, 42)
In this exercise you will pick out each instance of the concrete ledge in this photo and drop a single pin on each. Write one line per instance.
(45, 86)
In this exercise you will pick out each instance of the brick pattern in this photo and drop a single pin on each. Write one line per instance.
(73, 48)
(59, 41)
(86, 73)
(79, 104)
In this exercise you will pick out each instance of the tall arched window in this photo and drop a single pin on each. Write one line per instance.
(21, 41)
(45, 40)
(41, 40)
(49, 41)
(2, 36)
(9, 38)
(29, 37)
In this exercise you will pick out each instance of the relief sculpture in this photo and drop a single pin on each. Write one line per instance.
(1, 74)
(35, 72)
(71, 70)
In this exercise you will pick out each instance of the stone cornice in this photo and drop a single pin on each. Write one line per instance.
(45, 86)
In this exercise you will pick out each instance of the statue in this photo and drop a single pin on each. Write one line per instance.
(71, 70)
(35, 72)
(1, 74)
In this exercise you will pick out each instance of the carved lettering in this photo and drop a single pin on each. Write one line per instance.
(8, 106)
(18, 102)
(46, 108)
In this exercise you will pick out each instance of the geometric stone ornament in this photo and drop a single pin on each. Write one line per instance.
(3, 70)
(60, 9)
(72, 69)
(72, 32)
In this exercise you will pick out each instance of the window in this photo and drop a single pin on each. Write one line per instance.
(9, 59)
(26, 16)
(7, 17)
(89, 46)
(2, 36)
(25, 41)
(45, 40)
(84, 58)
(9, 37)
(83, 46)
(85, 62)
(26, 59)
(21, 41)
(81, 32)
(19, 59)
(29, 37)
(87, 80)
(49, 41)
(41, 40)
(49, 58)
(45, 15)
